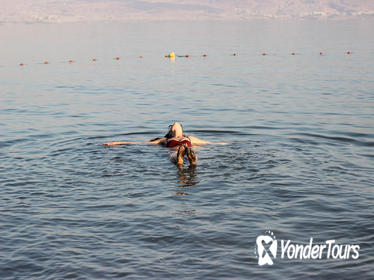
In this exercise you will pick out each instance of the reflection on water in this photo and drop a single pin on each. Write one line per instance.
(186, 177)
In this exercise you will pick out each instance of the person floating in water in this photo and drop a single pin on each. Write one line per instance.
(175, 138)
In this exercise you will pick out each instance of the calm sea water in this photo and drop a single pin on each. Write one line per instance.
(299, 162)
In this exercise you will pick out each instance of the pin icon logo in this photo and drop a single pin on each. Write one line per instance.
(266, 249)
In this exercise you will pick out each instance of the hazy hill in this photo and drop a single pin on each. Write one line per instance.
(98, 10)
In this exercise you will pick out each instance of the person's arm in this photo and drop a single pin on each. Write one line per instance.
(153, 142)
(196, 141)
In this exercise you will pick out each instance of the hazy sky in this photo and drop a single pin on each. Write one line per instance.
(97, 10)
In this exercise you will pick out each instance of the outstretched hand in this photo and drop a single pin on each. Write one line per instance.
(110, 144)
(222, 143)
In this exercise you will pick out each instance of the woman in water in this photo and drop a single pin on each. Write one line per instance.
(175, 138)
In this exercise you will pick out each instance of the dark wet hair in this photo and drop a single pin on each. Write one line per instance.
(154, 139)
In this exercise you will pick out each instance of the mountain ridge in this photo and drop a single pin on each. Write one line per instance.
(119, 10)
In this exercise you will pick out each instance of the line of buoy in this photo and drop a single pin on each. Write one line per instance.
(172, 56)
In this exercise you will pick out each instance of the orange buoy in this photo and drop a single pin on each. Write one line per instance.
(45, 62)
(117, 58)
(234, 54)
(94, 59)
(205, 55)
(293, 53)
(21, 64)
(70, 61)
(348, 52)
(264, 54)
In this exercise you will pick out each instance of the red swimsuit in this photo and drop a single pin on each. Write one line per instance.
(175, 143)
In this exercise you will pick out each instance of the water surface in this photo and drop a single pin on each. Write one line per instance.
(299, 162)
